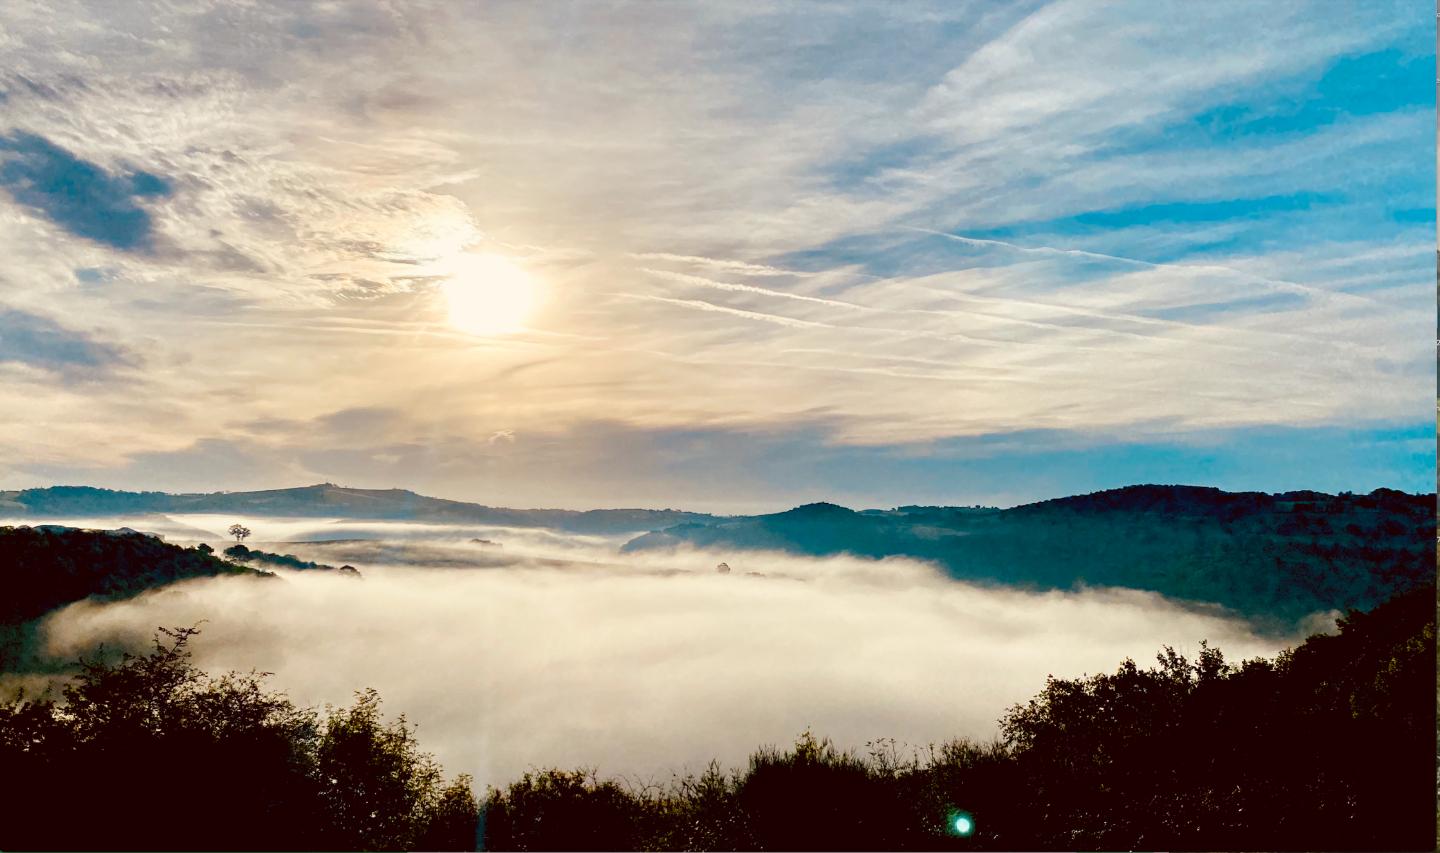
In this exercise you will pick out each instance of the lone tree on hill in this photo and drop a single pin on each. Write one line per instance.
(239, 531)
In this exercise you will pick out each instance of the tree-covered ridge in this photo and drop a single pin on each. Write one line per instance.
(243, 554)
(43, 568)
(1280, 556)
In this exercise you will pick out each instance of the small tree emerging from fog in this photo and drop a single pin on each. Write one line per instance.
(240, 532)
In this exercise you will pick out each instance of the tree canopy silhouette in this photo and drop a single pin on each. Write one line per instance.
(1327, 747)
(152, 753)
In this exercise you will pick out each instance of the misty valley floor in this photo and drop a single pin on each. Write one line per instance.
(517, 650)
(549, 648)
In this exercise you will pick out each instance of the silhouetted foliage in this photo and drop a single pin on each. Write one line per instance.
(560, 810)
(151, 753)
(241, 553)
(1327, 747)
(42, 568)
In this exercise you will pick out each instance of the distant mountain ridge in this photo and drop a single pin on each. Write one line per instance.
(328, 499)
(1269, 556)
(1279, 556)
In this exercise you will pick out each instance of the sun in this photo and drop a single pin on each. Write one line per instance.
(489, 295)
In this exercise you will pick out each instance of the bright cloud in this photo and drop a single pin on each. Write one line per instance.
(869, 227)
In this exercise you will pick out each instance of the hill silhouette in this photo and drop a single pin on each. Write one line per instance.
(43, 568)
(1273, 557)
(329, 500)
(242, 554)
(1277, 556)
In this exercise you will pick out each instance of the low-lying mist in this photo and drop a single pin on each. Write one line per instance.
(547, 649)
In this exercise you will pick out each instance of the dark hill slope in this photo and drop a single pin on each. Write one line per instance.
(329, 500)
(1283, 556)
(814, 529)
(44, 568)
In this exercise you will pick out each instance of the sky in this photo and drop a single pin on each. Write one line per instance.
(729, 257)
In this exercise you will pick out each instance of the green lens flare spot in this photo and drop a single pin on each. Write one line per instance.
(961, 824)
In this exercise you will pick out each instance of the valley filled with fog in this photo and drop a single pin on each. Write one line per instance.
(518, 648)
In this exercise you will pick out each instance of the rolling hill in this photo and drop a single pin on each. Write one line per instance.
(329, 500)
(46, 567)
(1277, 557)
(1280, 556)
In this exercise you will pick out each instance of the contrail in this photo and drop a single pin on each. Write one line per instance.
(1279, 284)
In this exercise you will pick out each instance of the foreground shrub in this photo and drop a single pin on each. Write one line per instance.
(151, 753)
(1327, 747)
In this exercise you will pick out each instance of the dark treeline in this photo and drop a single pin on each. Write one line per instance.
(44, 568)
(1275, 558)
(151, 753)
(242, 554)
(1327, 747)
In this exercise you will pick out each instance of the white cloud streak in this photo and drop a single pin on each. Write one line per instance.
(329, 160)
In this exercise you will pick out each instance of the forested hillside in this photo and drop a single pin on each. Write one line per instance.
(43, 568)
(1279, 556)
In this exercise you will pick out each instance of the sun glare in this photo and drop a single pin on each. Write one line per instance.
(489, 295)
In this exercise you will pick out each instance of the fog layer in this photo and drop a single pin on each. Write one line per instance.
(551, 650)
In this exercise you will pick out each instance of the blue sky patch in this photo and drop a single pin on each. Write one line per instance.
(32, 339)
(77, 195)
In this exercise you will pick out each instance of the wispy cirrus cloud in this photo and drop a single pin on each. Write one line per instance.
(880, 227)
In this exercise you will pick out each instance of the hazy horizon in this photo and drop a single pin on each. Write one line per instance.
(729, 508)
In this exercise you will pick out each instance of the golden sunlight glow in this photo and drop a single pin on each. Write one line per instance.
(489, 295)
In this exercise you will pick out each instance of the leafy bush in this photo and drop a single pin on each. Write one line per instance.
(1326, 747)
(151, 753)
